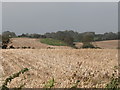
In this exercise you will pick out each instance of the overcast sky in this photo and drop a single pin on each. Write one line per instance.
(41, 17)
(60, 0)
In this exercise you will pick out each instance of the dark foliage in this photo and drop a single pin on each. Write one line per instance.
(32, 35)
(4, 46)
(6, 38)
(10, 78)
(88, 45)
(8, 34)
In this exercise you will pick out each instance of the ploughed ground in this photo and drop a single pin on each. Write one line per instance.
(32, 43)
(108, 44)
(93, 67)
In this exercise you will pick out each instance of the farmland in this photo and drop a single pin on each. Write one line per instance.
(109, 44)
(93, 67)
(36, 44)
(33, 44)
(64, 64)
(59, 45)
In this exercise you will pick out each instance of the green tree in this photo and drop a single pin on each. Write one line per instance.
(8, 34)
(87, 40)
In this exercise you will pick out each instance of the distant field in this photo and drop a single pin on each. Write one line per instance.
(56, 44)
(112, 44)
(36, 44)
(53, 42)
(93, 67)
(109, 44)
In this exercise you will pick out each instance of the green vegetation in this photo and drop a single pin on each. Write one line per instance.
(9, 34)
(76, 84)
(63, 38)
(5, 41)
(6, 38)
(10, 78)
(53, 42)
(88, 45)
(61, 35)
(78, 37)
(87, 40)
(50, 83)
(114, 84)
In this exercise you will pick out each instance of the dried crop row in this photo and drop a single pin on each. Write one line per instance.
(93, 67)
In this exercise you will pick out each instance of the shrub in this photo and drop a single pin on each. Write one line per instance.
(76, 84)
(88, 45)
(4, 46)
(114, 84)
(9, 34)
(50, 83)
(12, 47)
(5, 39)
(68, 40)
(87, 40)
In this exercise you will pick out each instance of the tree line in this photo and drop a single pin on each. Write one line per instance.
(76, 36)
(68, 36)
